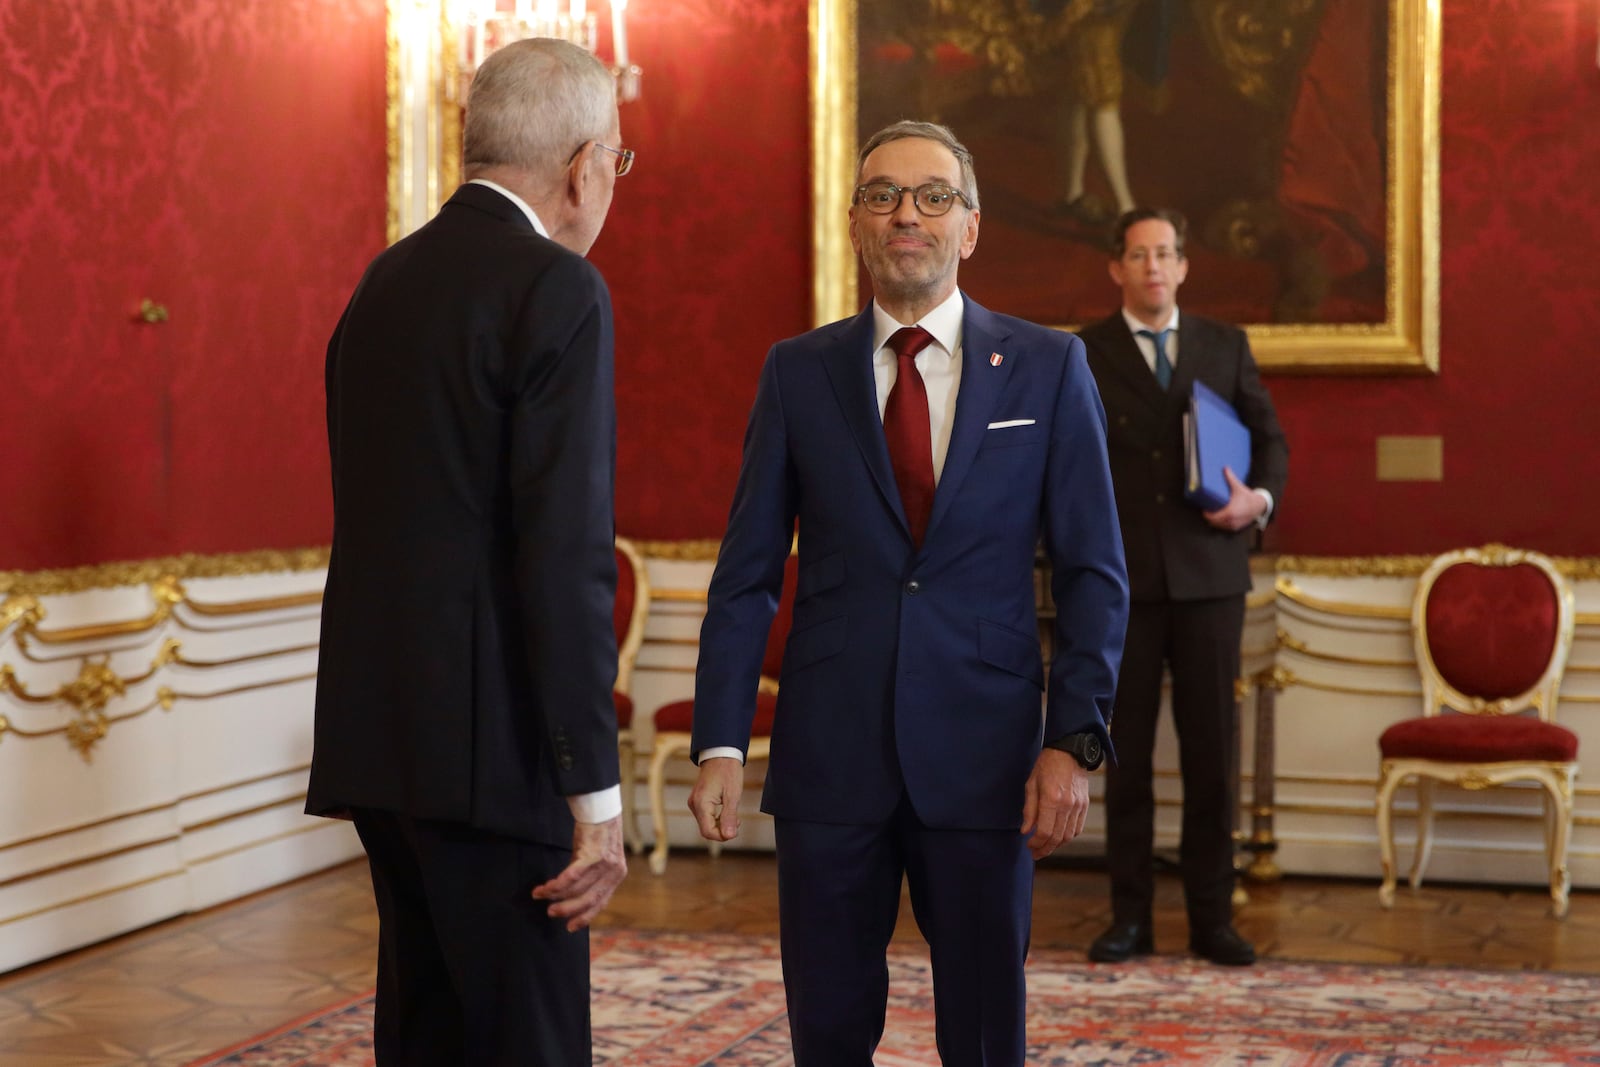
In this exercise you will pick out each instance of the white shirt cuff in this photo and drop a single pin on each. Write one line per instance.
(1261, 523)
(597, 807)
(718, 752)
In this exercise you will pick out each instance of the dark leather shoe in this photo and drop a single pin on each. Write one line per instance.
(1222, 944)
(1122, 941)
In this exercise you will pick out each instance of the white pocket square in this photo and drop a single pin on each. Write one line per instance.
(1007, 424)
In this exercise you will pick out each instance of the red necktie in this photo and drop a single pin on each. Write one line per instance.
(906, 427)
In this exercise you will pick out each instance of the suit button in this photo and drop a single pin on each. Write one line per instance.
(1156, 454)
(566, 761)
(913, 587)
(1161, 498)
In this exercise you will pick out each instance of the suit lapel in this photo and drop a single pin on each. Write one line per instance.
(982, 337)
(848, 361)
(1191, 353)
(1126, 360)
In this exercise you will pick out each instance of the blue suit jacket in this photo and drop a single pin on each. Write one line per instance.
(917, 669)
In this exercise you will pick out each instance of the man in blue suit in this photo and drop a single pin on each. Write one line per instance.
(926, 447)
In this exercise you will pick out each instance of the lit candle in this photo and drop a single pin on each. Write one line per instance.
(619, 34)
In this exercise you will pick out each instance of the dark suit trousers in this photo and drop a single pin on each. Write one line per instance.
(838, 899)
(471, 970)
(1199, 641)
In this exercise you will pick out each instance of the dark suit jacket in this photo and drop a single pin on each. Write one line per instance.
(915, 668)
(1173, 553)
(467, 649)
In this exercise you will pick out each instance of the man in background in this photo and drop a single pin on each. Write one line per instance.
(1188, 572)
(464, 716)
(926, 448)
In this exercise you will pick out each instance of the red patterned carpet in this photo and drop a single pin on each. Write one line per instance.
(675, 1000)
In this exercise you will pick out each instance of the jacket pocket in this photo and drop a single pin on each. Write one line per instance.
(1011, 436)
(825, 573)
(814, 644)
(1011, 651)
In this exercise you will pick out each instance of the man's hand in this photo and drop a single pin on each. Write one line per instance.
(1056, 802)
(584, 888)
(1244, 505)
(714, 802)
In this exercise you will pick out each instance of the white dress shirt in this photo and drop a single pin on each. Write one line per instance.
(939, 364)
(606, 804)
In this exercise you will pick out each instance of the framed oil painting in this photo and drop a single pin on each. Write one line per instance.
(1299, 138)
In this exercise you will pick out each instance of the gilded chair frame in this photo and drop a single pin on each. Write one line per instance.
(1555, 778)
(627, 653)
(670, 744)
(677, 743)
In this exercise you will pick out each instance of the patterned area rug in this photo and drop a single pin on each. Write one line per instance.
(675, 1000)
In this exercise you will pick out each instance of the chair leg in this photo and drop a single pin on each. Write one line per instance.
(1558, 807)
(1424, 830)
(667, 745)
(630, 805)
(1386, 787)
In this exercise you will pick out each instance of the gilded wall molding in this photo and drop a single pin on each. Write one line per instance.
(87, 698)
(702, 550)
(70, 580)
(1574, 568)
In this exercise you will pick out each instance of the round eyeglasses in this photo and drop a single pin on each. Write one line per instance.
(932, 199)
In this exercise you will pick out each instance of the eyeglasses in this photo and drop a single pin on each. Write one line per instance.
(624, 156)
(933, 199)
(1164, 256)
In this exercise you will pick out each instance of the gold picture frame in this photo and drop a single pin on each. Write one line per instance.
(1406, 340)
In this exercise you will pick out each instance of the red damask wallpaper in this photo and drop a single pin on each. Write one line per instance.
(227, 159)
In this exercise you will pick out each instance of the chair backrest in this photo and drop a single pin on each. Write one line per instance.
(1492, 627)
(631, 609)
(778, 636)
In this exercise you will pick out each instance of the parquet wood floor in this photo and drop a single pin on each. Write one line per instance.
(166, 995)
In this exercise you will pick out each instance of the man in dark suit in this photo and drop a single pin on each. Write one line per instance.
(1188, 570)
(926, 447)
(464, 716)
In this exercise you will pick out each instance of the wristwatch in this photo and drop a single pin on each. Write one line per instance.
(1084, 747)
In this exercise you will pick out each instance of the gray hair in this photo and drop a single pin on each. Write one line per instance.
(533, 103)
(930, 131)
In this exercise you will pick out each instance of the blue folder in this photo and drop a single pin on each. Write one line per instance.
(1213, 438)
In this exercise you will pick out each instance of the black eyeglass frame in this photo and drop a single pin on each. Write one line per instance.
(917, 197)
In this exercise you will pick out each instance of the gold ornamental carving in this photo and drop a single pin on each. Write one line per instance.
(1257, 42)
(97, 685)
(145, 572)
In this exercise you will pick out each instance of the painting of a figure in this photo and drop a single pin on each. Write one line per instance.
(1271, 124)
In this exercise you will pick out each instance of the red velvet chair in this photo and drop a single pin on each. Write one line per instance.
(674, 721)
(628, 616)
(1492, 627)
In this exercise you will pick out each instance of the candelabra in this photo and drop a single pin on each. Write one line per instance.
(485, 25)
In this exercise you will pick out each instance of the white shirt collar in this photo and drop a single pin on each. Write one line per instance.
(1134, 325)
(515, 199)
(944, 322)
